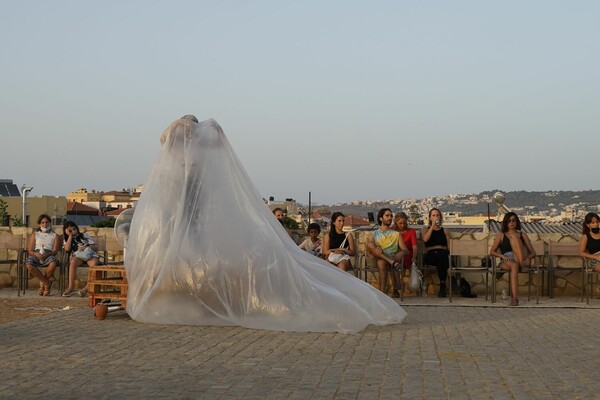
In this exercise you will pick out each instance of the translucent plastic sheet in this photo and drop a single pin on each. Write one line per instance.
(204, 249)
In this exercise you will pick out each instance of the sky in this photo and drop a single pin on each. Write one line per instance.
(349, 100)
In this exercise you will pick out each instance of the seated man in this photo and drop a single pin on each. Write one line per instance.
(388, 248)
(313, 242)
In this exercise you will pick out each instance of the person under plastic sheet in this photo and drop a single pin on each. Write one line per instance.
(204, 249)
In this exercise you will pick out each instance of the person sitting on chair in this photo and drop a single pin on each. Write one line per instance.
(409, 235)
(515, 250)
(42, 249)
(589, 246)
(313, 242)
(82, 249)
(387, 246)
(338, 246)
(436, 239)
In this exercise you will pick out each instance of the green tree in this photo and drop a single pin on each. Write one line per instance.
(290, 223)
(16, 221)
(4, 217)
(108, 223)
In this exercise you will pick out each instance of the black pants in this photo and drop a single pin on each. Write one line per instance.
(439, 258)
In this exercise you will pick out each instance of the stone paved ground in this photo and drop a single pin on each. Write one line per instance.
(448, 352)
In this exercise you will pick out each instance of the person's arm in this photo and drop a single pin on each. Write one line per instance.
(326, 249)
(494, 250)
(351, 248)
(371, 246)
(90, 243)
(426, 233)
(31, 247)
(69, 242)
(583, 250)
(55, 247)
(415, 247)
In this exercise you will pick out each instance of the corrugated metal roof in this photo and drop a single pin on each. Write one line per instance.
(564, 228)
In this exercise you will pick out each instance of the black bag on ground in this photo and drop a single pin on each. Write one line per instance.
(465, 289)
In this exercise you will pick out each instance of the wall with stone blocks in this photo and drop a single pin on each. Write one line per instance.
(567, 283)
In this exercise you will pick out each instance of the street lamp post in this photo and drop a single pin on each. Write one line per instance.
(24, 191)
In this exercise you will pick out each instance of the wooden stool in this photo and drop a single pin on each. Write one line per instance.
(106, 282)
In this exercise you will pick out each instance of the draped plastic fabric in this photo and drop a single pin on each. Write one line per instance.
(204, 249)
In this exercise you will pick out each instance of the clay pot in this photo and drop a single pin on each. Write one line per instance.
(100, 311)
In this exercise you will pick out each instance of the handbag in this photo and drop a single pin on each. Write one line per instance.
(85, 254)
(336, 258)
(416, 278)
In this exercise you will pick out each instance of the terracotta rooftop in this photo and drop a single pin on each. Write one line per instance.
(73, 207)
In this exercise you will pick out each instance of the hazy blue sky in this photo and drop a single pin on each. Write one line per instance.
(347, 99)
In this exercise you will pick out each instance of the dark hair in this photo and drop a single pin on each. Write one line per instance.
(68, 225)
(508, 216)
(334, 216)
(41, 218)
(441, 216)
(588, 220)
(278, 209)
(380, 214)
(312, 226)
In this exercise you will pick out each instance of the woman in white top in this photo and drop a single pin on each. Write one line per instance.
(42, 247)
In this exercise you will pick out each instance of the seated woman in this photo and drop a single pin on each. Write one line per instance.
(339, 246)
(82, 249)
(42, 248)
(589, 246)
(313, 242)
(436, 241)
(515, 250)
(409, 235)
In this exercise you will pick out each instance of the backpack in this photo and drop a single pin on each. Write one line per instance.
(465, 289)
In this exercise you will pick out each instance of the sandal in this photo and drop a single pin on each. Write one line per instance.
(42, 288)
(68, 293)
(514, 303)
(82, 292)
(47, 289)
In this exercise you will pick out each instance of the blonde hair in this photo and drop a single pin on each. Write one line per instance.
(400, 215)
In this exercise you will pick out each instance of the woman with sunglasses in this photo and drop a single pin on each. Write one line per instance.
(515, 251)
(589, 245)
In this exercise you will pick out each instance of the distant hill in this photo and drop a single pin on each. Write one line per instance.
(547, 202)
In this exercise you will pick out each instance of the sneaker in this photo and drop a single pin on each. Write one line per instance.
(442, 292)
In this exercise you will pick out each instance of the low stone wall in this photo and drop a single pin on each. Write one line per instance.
(567, 283)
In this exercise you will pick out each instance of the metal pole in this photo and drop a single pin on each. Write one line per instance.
(309, 207)
(25, 190)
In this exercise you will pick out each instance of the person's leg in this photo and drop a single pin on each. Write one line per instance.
(382, 266)
(48, 275)
(396, 277)
(73, 265)
(38, 274)
(513, 267)
(344, 265)
(441, 262)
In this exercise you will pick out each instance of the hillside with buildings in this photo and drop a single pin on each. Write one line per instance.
(550, 205)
